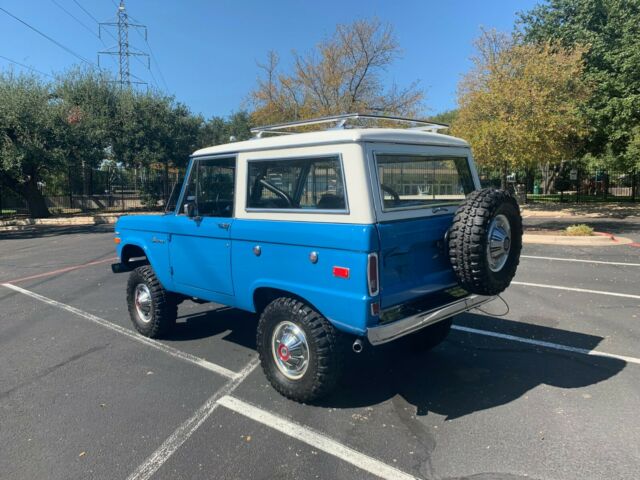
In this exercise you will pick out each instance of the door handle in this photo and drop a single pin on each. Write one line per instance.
(224, 226)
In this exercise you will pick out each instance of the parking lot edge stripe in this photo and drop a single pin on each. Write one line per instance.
(542, 343)
(315, 439)
(598, 262)
(187, 357)
(573, 289)
(186, 429)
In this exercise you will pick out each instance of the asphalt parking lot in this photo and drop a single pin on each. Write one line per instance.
(551, 390)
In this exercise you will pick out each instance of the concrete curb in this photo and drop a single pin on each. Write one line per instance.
(599, 239)
(30, 223)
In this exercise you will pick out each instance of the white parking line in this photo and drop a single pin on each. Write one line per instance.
(184, 431)
(315, 439)
(551, 345)
(187, 357)
(573, 289)
(597, 262)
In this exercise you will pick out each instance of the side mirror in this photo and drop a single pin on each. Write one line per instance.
(189, 209)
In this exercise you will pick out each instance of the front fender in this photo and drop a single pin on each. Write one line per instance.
(155, 247)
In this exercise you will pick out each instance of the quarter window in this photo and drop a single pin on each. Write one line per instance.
(211, 187)
(298, 184)
(415, 181)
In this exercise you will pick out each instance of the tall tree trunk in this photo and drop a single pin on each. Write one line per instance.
(35, 200)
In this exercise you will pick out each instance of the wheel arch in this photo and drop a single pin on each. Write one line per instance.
(263, 296)
(130, 251)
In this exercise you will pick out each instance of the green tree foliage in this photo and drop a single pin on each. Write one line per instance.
(81, 121)
(32, 128)
(344, 74)
(218, 130)
(611, 29)
(520, 105)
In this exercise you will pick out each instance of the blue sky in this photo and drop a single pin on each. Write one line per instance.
(207, 50)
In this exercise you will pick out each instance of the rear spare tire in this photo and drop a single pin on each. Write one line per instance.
(485, 241)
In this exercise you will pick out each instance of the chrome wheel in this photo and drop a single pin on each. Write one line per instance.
(498, 243)
(290, 350)
(142, 299)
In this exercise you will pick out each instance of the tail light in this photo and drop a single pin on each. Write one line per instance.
(372, 274)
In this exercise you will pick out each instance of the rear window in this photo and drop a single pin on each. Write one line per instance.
(306, 184)
(415, 181)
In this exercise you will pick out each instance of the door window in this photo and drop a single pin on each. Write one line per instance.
(211, 187)
(305, 184)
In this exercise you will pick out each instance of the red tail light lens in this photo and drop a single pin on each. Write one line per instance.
(341, 272)
(372, 274)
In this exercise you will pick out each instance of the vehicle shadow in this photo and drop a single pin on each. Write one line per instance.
(465, 374)
(240, 325)
(470, 372)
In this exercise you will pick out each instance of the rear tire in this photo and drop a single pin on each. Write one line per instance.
(431, 336)
(300, 351)
(152, 309)
(485, 241)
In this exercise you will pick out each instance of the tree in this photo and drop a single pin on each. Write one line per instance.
(342, 75)
(520, 105)
(217, 130)
(611, 28)
(30, 131)
(154, 129)
(89, 102)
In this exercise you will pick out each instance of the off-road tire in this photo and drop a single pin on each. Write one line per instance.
(429, 337)
(468, 237)
(325, 343)
(164, 304)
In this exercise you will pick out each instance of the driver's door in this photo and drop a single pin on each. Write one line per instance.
(200, 246)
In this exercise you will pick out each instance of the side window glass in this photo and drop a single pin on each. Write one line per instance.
(298, 184)
(211, 187)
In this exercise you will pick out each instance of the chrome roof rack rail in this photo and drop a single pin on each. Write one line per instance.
(342, 121)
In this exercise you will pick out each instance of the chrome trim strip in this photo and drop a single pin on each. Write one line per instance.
(400, 328)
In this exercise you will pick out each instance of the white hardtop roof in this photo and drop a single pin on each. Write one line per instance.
(327, 137)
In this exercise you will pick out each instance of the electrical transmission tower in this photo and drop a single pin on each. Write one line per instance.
(124, 50)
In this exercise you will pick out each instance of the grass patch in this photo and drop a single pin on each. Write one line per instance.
(581, 230)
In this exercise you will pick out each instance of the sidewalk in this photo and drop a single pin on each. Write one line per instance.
(578, 211)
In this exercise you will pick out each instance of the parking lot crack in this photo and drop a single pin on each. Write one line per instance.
(48, 371)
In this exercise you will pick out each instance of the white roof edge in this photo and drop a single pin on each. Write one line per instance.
(326, 137)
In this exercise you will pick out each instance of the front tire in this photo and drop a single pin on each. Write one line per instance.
(300, 351)
(152, 309)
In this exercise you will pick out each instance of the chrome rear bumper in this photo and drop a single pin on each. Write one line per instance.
(400, 328)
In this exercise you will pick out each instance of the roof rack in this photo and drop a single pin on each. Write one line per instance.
(342, 121)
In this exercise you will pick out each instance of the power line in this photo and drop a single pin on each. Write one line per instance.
(66, 49)
(74, 17)
(153, 57)
(86, 11)
(26, 66)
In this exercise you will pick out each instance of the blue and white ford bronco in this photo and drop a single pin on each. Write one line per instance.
(345, 236)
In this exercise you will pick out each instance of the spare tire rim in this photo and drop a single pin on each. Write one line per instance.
(290, 350)
(142, 299)
(498, 242)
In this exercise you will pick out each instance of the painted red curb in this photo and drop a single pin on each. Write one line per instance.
(614, 239)
(605, 234)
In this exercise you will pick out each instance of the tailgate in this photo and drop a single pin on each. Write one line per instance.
(413, 259)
